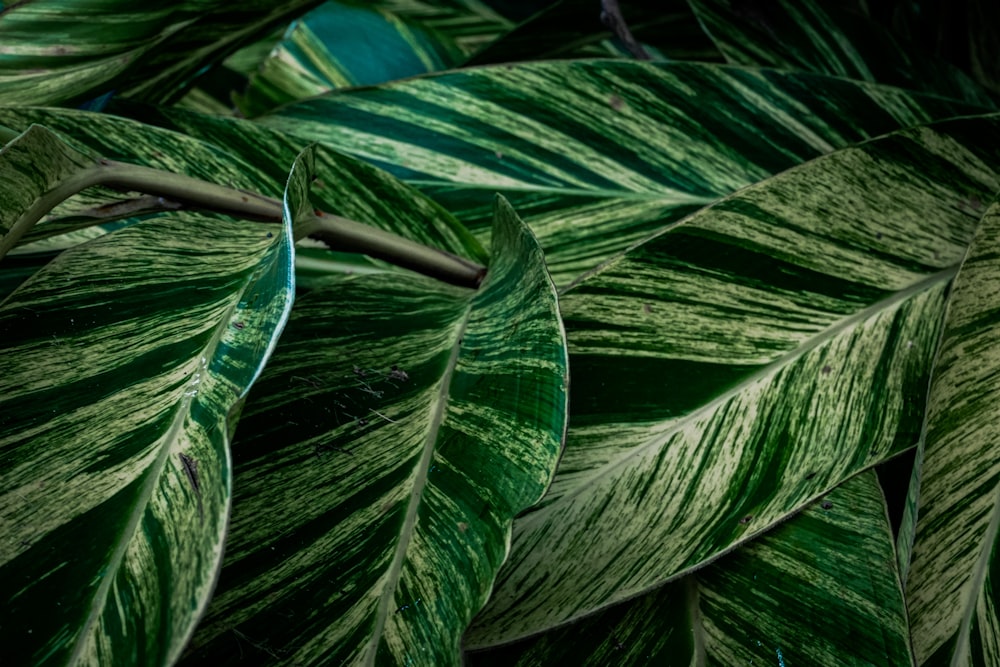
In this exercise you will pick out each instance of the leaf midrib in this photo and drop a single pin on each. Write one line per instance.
(827, 334)
(142, 502)
(416, 494)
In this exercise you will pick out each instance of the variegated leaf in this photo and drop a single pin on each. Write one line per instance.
(58, 51)
(400, 426)
(742, 363)
(597, 155)
(122, 363)
(951, 589)
(339, 45)
(821, 589)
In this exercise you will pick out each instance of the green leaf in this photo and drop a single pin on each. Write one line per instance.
(826, 39)
(471, 24)
(338, 45)
(742, 363)
(122, 362)
(951, 589)
(61, 51)
(400, 426)
(347, 187)
(820, 589)
(598, 155)
(573, 28)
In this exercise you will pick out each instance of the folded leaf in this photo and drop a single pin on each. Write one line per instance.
(950, 589)
(122, 361)
(733, 368)
(821, 589)
(400, 426)
(597, 155)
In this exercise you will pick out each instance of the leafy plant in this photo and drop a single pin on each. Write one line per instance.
(296, 388)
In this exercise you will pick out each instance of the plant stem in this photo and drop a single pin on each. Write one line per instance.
(350, 236)
(338, 233)
(611, 15)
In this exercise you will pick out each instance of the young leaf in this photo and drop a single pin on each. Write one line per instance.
(399, 428)
(598, 155)
(122, 361)
(951, 591)
(820, 589)
(733, 368)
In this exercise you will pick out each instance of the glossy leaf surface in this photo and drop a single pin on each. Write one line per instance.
(824, 38)
(733, 368)
(951, 588)
(122, 362)
(339, 45)
(820, 589)
(598, 155)
(400, 426)
(59, 51)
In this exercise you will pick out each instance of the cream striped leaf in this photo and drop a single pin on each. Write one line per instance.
(742, 363)
(951, 589)
(122, 363)
(338, 45)
(399, 427)
(824, 38)
(596, 155)
(471, 24)
(59, 51)
(820, 589)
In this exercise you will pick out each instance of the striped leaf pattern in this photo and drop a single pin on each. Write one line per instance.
(951, 587)
(824, 38)
(471, 24)
(338, 45)
(346, 186)
(820, 589)
(597, 155)
(122, 362)
(400, 426)
(59, 51)
(742, 363)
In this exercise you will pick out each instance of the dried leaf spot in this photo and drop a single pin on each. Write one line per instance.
(826, 504)
(238, 325)
(616, 103)
(826, 369)
(270, 235)
(462, 526)
(747, 519)
(648, 307)
(499, 155)
(397, 373)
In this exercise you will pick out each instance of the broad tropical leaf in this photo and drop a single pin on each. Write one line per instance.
(951, 588)
(122, 363)
(400, 426)
(820, 37)
(59, 51)
(742, 363)
(820, 589)
(573, 28)
(386, 203)
(471, 24)
(598, 155)
(338, 45)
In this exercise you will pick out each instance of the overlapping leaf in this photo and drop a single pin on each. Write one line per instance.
(597, 155)
(742, 363)
(57, 51)
(122, 362)
(824, 38)
(820, 589)
(471, 24)
(399, 427)
(951, 588)
(339, 45)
